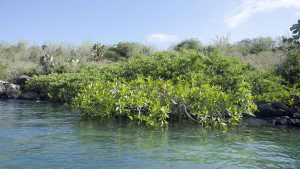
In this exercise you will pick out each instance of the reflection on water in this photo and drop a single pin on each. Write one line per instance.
(44, 135)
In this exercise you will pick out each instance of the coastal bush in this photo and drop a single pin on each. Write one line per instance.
(207, 89)
(290, 68)
(153, 101)
(266, 87)
(256, 45)
(189, 44)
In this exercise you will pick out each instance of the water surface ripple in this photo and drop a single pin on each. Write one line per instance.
(44, 135)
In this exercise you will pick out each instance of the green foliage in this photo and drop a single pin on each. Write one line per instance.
(207, 89)
(193, 82)
(131, 49)
(154, 101)
(22, 58)
(256, 45)
(113, 56)
(2, 68)
(189, 44)
(120, 52)
(270, 88)
(290, 68)
(59, 87)
(62, 58)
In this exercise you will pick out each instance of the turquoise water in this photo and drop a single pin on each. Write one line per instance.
(44, 135)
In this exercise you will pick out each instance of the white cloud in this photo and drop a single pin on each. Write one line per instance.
(159, 37)
(251, 7)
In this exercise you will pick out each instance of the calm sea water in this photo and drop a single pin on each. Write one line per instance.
(44, 135)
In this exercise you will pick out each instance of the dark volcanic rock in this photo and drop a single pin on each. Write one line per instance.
(268, 110)
(22, 80)
(279, 105)
(279, 113)
(297, 100)
(296, 112)
(29, 96)
(287, 121)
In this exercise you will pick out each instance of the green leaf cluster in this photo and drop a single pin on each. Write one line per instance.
(151, 101)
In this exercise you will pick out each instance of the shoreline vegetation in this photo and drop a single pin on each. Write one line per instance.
(212, 85)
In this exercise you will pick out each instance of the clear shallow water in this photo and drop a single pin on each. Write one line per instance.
(44, 135)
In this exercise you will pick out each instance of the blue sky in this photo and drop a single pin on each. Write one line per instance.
(156, 22)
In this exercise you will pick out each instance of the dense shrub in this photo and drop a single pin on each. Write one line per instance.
(120, 52)
(256, 45)
(189, 44)
(290, 68)
(154, 101)
(207, 89)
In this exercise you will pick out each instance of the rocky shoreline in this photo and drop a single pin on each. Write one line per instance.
(279, 113)
(17, 91)
(276, 112)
